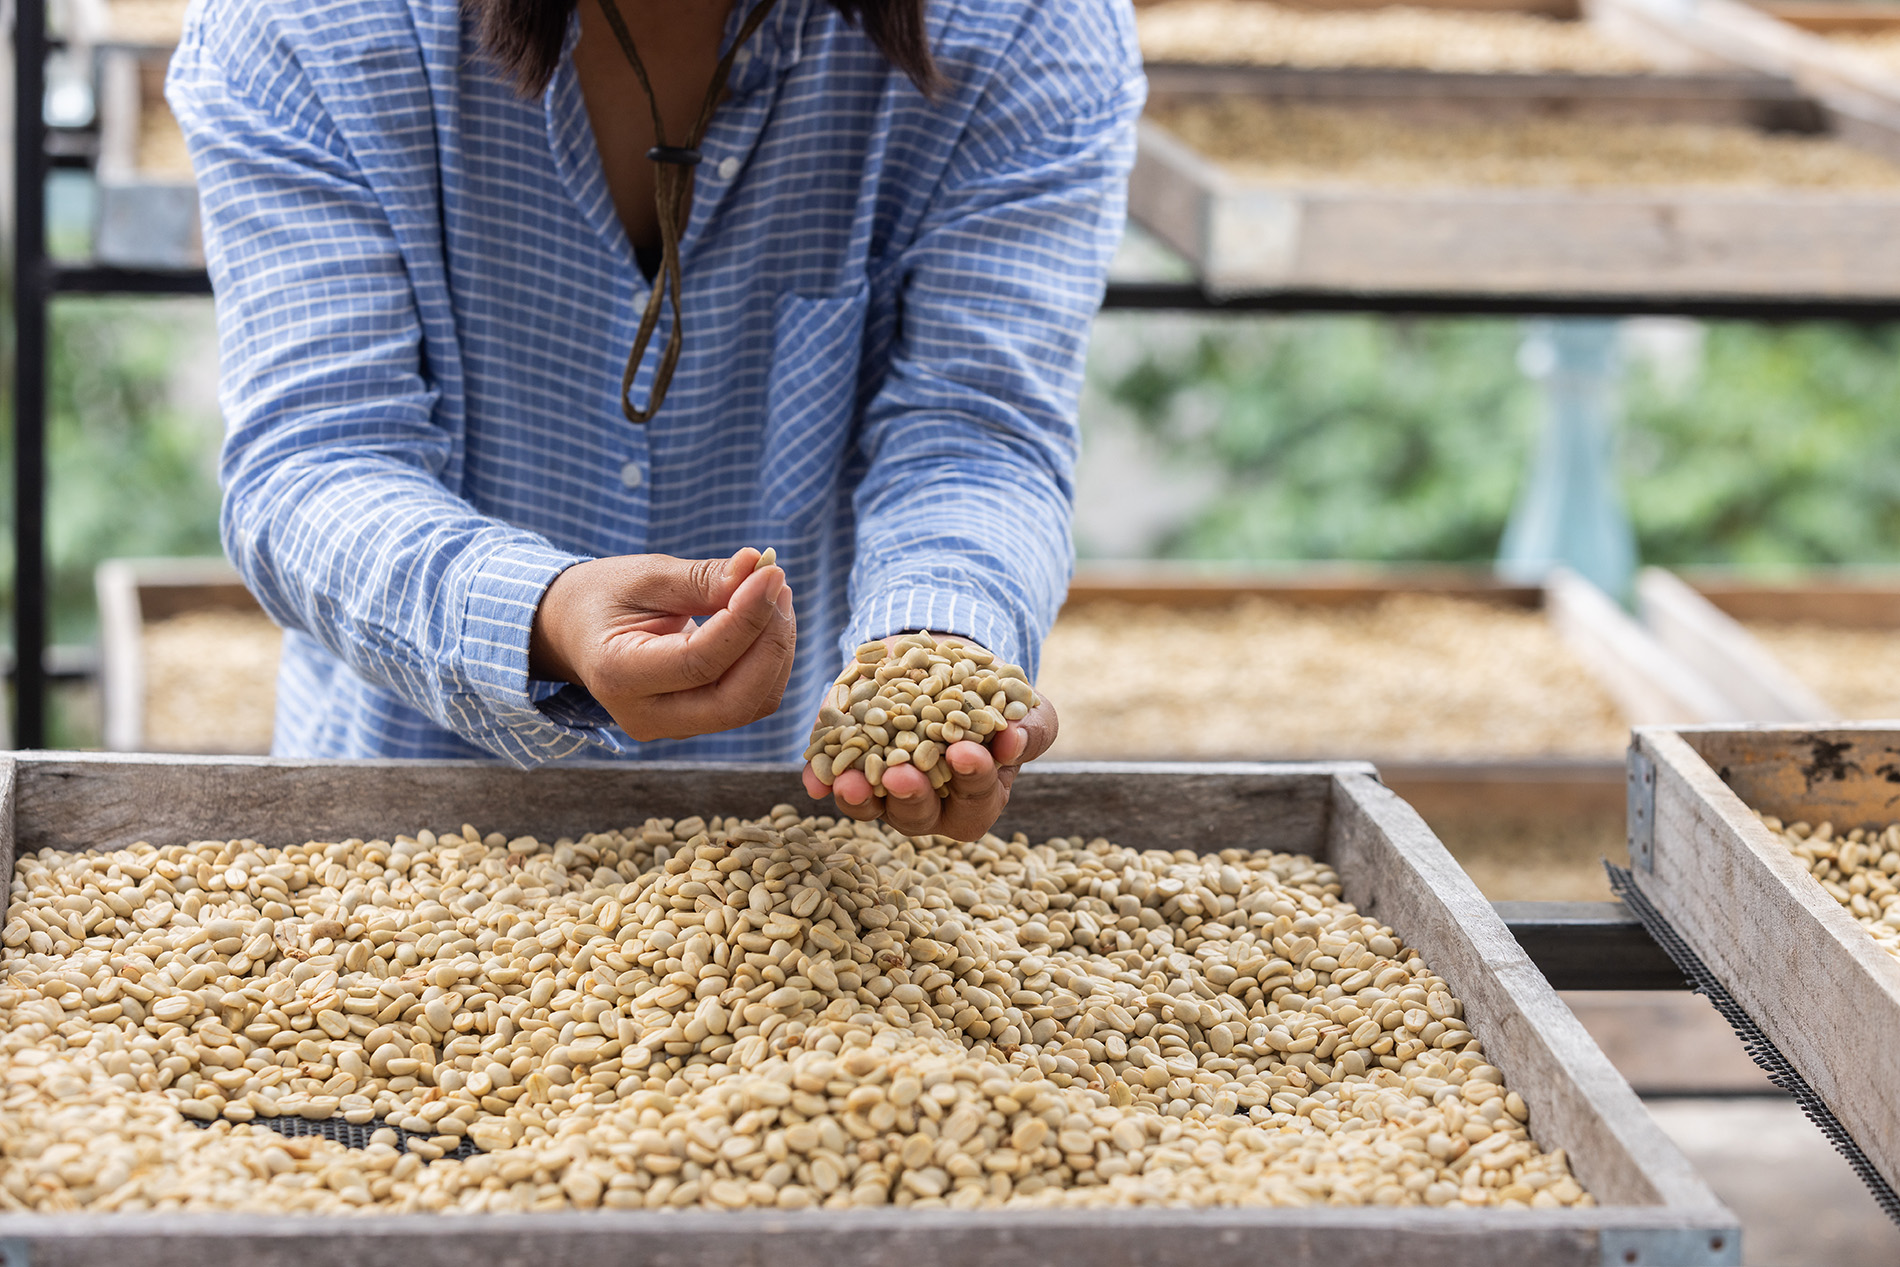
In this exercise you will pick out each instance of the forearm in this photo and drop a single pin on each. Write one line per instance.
(408, 585)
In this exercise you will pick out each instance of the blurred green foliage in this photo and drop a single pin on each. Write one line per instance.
(1368, 439)
(1785, 452)
(131, 464)
(133, 471)
(1341, 437)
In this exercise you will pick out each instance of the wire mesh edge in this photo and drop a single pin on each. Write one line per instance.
(1760, 1048)
(349, 1134)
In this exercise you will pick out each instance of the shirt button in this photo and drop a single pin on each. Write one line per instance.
(631, 475)
(728, 168)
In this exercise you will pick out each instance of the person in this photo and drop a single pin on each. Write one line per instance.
(537, 316)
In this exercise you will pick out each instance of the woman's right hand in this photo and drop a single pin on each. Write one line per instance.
(630, 630)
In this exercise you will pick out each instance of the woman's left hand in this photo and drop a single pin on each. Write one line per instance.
(980, 778)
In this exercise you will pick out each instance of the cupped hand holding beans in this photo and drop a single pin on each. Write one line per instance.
(922, 763)
(670, 647)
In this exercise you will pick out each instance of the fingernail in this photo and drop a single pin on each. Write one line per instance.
(784, 601)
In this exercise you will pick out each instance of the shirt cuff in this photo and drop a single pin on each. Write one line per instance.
(970, 613)
(526, 720)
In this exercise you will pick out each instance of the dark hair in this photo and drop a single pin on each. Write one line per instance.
(524, 36)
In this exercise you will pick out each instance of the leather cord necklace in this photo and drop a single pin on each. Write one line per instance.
(672, 188)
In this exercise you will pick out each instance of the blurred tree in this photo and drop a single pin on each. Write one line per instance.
(131, 469)
(1361, 438)
(1783, 452)
(1341, 437)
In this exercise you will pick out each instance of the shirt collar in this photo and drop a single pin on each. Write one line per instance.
(772, 51)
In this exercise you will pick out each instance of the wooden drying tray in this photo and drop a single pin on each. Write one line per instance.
(1646, 681)
(104, 24)
(1701, 617)
(1652, 1207)
(1860, 98)
(145, 218)
(1246, 234)
(1821, 989)
(1734, 97)
(133, 593)
(1567, 10)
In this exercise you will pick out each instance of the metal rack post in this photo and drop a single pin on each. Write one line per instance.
(31, 286)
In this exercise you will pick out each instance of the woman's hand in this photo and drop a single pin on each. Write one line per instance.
(626, 629)
(980, 779)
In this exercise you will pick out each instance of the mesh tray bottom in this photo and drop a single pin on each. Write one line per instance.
(1757, 1044)
(349, 1134)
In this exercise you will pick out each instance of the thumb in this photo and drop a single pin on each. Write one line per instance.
(694, 587)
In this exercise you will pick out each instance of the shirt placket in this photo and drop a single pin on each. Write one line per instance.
(577, 162)
(740, 119)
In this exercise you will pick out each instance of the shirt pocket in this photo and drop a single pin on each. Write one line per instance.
(811, 407)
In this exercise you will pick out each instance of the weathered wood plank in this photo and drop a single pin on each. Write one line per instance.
(1247, 234)
(1322, 586)
(1395, 870)
(1848, 599)
(1729, 97)
(1799, 964)
(9, 805)
(1845, 771)
(1702, 634)
(107, 801)
(1648, 682)
(1320, 1237)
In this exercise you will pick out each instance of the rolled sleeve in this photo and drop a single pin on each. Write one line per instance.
(965, 512)
(544, 720)
(339, 466)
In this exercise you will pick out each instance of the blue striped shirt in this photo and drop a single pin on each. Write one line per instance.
(425, 300)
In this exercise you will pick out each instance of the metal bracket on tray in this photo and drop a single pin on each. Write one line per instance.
(1677, 1246)
(1642, 810)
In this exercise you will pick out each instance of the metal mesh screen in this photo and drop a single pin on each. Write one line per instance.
(349, 1134)
(1762, 1051)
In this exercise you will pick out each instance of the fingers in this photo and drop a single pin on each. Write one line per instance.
(978, 791)
(977, 794)
(693, 587)
(1025, 740)
(702, 656)
(910, 803)
(851, 791)
(757, 679)
(751, 687)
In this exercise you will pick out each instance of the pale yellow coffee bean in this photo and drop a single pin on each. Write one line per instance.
(829, 1012)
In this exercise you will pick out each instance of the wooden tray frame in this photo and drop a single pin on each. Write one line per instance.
(145, 219)
(1702, 633)
(1244, 234)
(1799, 964)
(133, 592)
(1646, 680)
(1860, 97)
(1655, 1209)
